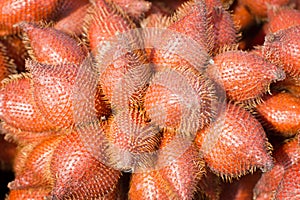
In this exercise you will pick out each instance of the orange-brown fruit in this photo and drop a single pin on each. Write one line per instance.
(14, 11)
(181, 98)
(60, 81)
(235, 144)
(104, 22)
(242, 17)
(289, 187)
(72, 20)
(51, 46)
(39, 193)
(180, 164)
(133, 140)
(287, 156)
(78, 174)
(7, 66)
(282, 18)
(232, 70)
(134, 8)
(18, 106)
(282, 48)
(150, 185)
(281, 112)
(223, 27)
(35, 171)
(191, 19)
(259, 7)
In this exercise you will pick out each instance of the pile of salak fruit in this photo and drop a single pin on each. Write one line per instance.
(135, 99)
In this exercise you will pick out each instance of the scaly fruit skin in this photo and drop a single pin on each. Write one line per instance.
(19, 109)
(32, 193)
(259, 7)
(235, 135)
(284, 175)
(232, 70)
(181, 98)
(7, 66)
(13, 12)
(282, 49)
(281, 112)
(282, 18)
(51, 46)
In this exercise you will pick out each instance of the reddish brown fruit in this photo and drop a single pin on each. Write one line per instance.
(39, 193)
(191, 19)
(134, 140)
(181, 98)
(281, 112)
(286, 158)
(282, 48)
(282, 18)
(78, 174)
(134, 8)
(13, 12)
(232, 70)
(105, 21)
(73, 18)
(150, 185)
(259, 7)
(180, 164)
(235, 144)
(52, 47)
(36, 170)
(242, 17)
(18, 106)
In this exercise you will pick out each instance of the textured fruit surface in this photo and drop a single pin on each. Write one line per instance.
(282, 48)
(232, 70)
(235, 135)
(281, 112)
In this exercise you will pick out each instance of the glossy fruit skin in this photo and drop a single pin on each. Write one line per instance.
(231, 70)
(232, 136)
(281, 117)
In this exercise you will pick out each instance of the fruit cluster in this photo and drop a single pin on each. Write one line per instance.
(132, 99)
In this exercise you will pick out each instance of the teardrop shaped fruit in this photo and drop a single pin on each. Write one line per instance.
(133, 140)
(282, 49)
(36, 171)
(78, 173)
(55, 87)
(280, 18)
(181, 98)
(50, 46)
(18, 106)
(232, 70)
(14, 11)
(235, 144)
(281, 117)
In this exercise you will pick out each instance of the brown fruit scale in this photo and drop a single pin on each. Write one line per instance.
(82, 118)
